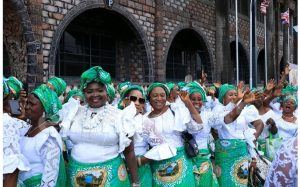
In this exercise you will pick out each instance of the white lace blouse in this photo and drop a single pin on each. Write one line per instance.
(210, 120)
(163, 132)
(98, 134)
(140, 144)
(264, 118)
(284, 169)
(43, 152)
(12, 156)
(286, 129)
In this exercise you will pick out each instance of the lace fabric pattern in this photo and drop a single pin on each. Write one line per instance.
(284, 170)
(50, 153)
(12, 156)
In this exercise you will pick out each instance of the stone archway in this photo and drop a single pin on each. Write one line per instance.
(187, 53)
(126, 17)
(243, 63)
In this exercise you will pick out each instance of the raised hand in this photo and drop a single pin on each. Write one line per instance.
(277, 90)
(240, 90)
(270, 85)
(184, 96)
(250, 97)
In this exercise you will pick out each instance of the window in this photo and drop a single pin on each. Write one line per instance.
(243, 6)
(78, 51)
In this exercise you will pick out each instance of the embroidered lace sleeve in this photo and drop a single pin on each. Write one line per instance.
(284, 170)
(150, 134)
(13, 159)
(50, 153)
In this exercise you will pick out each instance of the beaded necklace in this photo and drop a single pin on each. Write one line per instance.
(97, 120)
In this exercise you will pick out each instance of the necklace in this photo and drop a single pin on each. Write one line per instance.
(292, 118)
(36, 128)
(96, 120)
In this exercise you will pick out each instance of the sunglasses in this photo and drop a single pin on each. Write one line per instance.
(133, 98)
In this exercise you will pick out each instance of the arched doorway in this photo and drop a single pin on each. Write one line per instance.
(187, 55)
(261, 72)
(243, 63)
(106, 38)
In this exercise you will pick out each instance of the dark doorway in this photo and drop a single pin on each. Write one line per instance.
(243, 63)
(188, 55)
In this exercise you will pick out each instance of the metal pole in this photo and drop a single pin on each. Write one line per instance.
(254, 44)
(288, 44)
(237, 42)
(250, 76)
(266, 57)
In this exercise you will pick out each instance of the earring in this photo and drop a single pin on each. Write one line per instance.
(44, 115)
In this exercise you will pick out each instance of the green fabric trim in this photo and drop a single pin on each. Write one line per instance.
(157, 84)
(15, 86)
(58, 84)
(34, 181)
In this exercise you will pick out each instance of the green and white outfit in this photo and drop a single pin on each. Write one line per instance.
(98, 140)
(262, 139)
(140, 148)
(170, 165)
(44, 153)
(203, 169)
(234, 148)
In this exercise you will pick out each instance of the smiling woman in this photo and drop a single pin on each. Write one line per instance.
(99, 137)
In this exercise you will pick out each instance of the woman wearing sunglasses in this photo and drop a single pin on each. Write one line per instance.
(135, 94)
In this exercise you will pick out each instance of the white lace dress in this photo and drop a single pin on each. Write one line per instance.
(286, 129)
(12, 156)
(43, 152)
(98, 134)
(284, 169)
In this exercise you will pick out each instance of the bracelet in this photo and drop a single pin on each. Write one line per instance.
(139, 161)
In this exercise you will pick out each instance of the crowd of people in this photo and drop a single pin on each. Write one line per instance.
(169, 134)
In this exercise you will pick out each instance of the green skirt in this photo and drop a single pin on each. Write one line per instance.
(110, 173)
(175, 171)
(203, 170)
(232, 162)
(35, 181)
(145, 175)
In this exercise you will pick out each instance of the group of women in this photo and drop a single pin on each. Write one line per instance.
(139, 138)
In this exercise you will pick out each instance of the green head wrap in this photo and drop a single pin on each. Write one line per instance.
(58, 85)
(122, 87)
(194, 87)
(127, 91)
(72, 93)
(170, 85)
(223, 90)
(157, 84)
(95, 74)
(181, 84)
(15, 86)
(133, 87)
(291, 97)
(5, 87)
(289, 89)
(111, 91)
(50, 102)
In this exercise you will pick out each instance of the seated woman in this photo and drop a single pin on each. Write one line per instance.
(42, 144)
(134, 94)
(98, 137)
(13, 160)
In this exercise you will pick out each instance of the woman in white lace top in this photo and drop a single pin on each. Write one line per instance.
(42, 144)
(99, 134)
(13, 160)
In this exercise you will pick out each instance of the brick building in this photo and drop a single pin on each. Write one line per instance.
(140, 40)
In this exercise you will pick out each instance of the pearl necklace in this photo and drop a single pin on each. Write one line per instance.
(97, 120)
